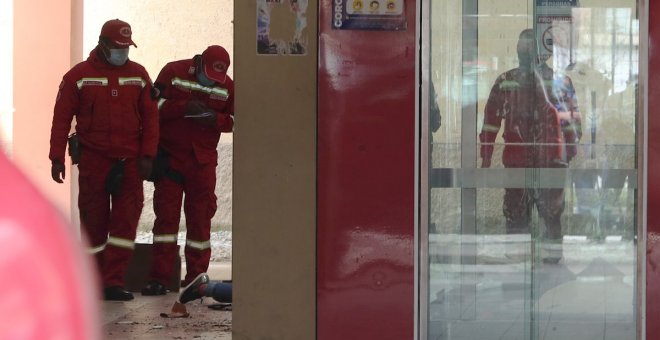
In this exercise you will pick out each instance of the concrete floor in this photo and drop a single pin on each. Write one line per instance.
(140, 318)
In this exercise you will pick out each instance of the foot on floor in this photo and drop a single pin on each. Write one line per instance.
(153, 288)
(117, 293)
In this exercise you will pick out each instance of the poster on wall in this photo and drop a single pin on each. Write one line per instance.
(281, 27)
(369, 15)
(554, 29)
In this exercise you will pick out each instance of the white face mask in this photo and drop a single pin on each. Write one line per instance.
(203, 80)
(118, 56)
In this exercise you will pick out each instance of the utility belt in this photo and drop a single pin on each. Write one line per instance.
(115, 178)
(161, 168)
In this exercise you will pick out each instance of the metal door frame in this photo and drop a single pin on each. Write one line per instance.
(470, 177)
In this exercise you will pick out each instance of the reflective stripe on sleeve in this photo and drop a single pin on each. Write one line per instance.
(121, 242)
(165, 238)
(509, 85)
(490, 128)
(199, 245)
(92, 82)
(194, 86)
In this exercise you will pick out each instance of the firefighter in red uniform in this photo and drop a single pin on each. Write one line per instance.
(117, 131)
(196, 106)
(542, 127)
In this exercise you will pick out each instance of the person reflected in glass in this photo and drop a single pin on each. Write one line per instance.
(542, 126)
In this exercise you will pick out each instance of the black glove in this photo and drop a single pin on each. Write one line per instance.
(58, 171)
(160, 165)
(113, 182)
(146, 167)
(195, 107)
(209, 121)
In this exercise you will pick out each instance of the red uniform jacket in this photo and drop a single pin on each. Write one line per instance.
(181, 136)
(534, 132)
(114, 111)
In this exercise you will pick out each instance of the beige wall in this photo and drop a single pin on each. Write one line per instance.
(274, 225)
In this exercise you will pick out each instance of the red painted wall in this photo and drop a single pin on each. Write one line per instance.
(42, 54)
(366, 143)
(653, 184)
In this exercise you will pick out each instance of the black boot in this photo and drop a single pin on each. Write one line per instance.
(117, 293)
(154, 287)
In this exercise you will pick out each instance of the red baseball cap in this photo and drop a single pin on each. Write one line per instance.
(119, 33)
(215, 61)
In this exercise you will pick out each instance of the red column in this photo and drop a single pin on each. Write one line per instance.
(366, 147)
(653, 184)
(43, 34)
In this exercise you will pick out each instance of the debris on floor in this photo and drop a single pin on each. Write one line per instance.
(178, 311)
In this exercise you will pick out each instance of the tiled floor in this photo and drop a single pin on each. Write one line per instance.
(140, 318)
(503, 290)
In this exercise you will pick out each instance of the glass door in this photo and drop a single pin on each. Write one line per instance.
(529, 169)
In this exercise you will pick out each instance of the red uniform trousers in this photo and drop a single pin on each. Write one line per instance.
(518, 204)
(110, 221)
(199, 207)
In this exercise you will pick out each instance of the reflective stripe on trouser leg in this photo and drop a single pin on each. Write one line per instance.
(166, 238)
(200, 206)
(126, 209)
(166, 251)
(94, 202)
(116, 257)
(198, 255)
(168, 196)
(97, 253)
(96, 250)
